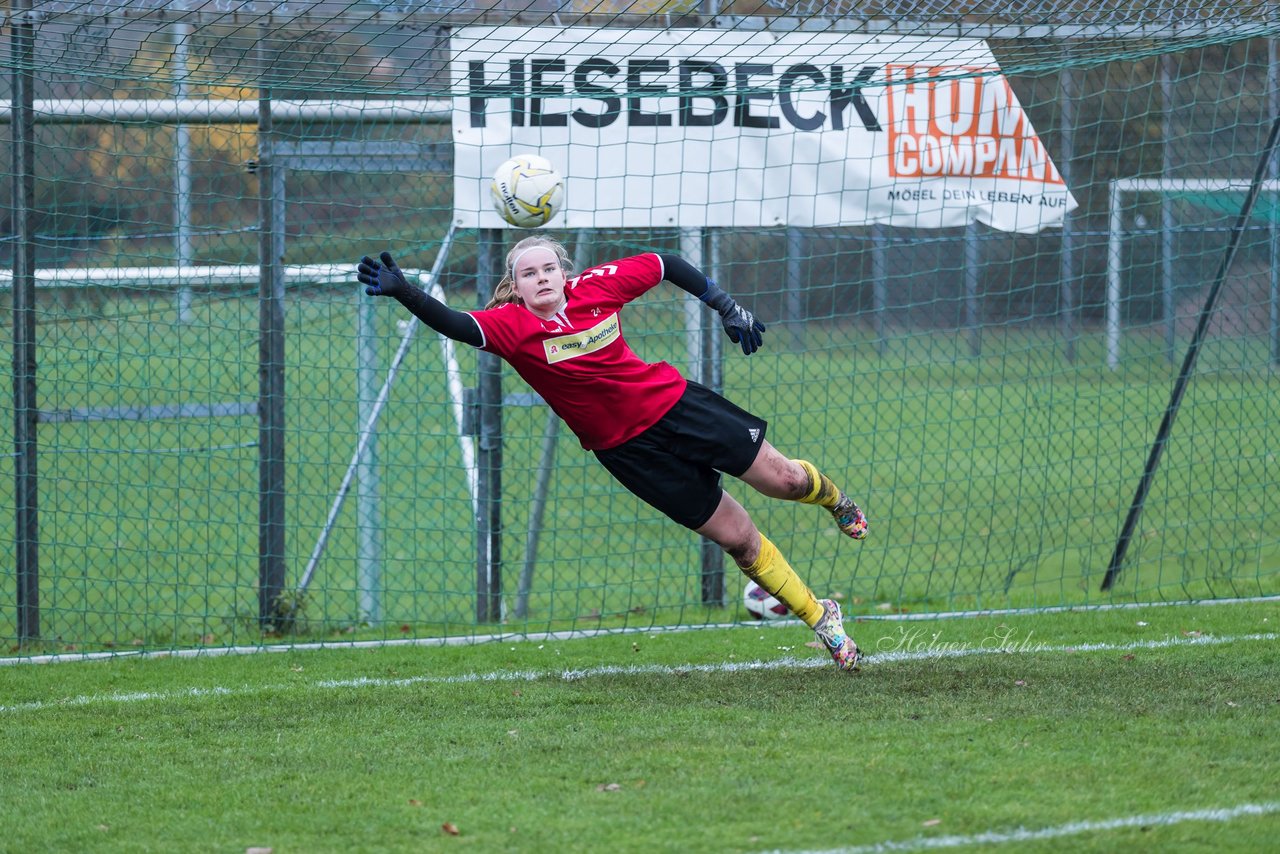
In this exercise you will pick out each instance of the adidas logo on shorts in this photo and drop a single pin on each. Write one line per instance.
(755, 434)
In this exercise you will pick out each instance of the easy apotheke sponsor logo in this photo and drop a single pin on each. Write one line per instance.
(597, 337)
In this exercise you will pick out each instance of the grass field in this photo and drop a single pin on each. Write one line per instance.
(997, 480)
(1136, 729)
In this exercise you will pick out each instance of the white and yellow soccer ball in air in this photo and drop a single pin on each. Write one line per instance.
(527, 190)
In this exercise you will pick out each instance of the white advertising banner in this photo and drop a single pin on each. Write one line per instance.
(694, 127)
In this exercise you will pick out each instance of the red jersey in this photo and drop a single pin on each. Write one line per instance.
(578, 360)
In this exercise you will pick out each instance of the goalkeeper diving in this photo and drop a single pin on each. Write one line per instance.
(665, 438)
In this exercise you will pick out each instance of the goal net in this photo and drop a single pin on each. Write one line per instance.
(978, 239)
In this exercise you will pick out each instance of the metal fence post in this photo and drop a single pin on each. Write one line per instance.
(489, 448)
(705, 368)
(271, 390)
(794, 287)
(972, 288)
(1168, 304)
(1068, 88)
(368, 479)
(713, 576)
(25, 409)
(880, 286)
(183, 251)
(1273, 104)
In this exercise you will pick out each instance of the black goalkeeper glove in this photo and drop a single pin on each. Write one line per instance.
(382, 280)
(740, 324)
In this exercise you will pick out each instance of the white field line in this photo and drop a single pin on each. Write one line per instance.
(575, 634)
(1022, 834)
(921, 652)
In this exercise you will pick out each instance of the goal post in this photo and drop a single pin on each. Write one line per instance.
(1122, 225)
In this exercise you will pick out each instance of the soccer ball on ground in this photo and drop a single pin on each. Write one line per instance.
(760, 603)
(527, 190)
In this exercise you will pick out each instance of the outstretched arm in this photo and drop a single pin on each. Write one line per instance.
(740, 324)
(384, 279)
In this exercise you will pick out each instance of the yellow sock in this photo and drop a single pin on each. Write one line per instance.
(822, 490)
(772, 572)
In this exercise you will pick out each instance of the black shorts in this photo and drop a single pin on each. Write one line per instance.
(675, 465)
